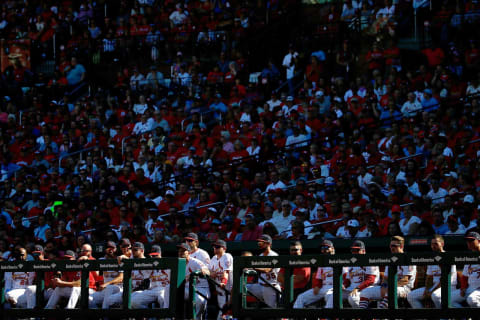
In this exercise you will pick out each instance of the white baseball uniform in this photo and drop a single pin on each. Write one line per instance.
(262, 290)
(472, 294)
(201, 255)
(98, 297)
(357, 275)
(374, 292)
(158, 291)
(201, 287)
(218, 266)
(325, 274)
(415, 297)
(137, 278)
(16, 284)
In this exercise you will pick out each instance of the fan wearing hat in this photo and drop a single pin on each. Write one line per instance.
(195, 252)
(358, 278)
(470, 282)
(221, 270)
(112, 280)
(432, 287)
(260, 289)
(322, 284)
(138, 276)
(406, 280)
(159, 286)
(16, 283)
(193, 265)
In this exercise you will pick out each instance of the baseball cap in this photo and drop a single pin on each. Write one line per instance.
(326, 243)
(472, 235)
(69, 254)
(289, 98)
(329, 181)
(191, 236)
(169, 193)
(111, 244)
(138, 245)
(220, 243)
(265, 238)
(452, 174)
(183, 246)
(358, 244)
(216, 222)
(125, 242)
(212, 209)
(156, 250)
(428, 91)
(38, 249)
(319, 93)
(353, 223)
(468, 198)
(396, 208)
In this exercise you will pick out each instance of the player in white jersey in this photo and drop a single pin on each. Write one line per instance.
(406, 280)
(112, 281)
(358, 278)
(470, 284)
(221, 270)
(138, 277)
(323, 284)
(192, 240)
(261, 289)
(16, 283)
(432, 281)
(202, 289)
(158, 289)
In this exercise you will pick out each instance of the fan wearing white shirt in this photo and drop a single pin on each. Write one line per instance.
(454, 228)
(410, 222)
(436, 193)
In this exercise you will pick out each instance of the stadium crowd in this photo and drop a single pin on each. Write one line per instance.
(380, 145)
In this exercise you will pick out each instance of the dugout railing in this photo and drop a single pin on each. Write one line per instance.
(243, 266)
(177, 278)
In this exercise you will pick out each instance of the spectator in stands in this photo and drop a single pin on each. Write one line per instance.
(75, 72)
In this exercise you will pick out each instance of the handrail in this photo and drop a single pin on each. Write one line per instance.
(199, 207)
(177, 267)
(60, 158)
(315, 224)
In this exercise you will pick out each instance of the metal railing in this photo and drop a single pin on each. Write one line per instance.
(241, 307)
(61, 157)
(177, 277)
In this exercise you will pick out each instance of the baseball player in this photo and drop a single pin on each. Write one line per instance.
(470, 282)
(406, 280)
(358, 278)
(158, 289)
(138, 276)
(38, 254)
(16, 283)
(221, 270)
(68, 284)
(112, 281)
(192, 240)
(323, 284)
(260, 289)
(432, 287)
(203, 291)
